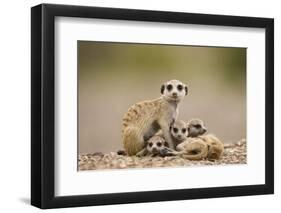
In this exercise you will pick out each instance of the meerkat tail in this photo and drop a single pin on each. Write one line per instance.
(203, 153)
(196, 150)
(131, 141)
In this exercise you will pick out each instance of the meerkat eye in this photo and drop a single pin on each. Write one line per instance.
(180, 87)
(150, 144)
(169, 87)
(159, 144)
(175, 130)
(197, 126)
(183, 130)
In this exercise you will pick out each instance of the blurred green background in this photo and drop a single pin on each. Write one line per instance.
(114, 76)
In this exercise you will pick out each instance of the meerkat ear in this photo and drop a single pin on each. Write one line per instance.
(204, 128)
(162, 89)
(186, 90)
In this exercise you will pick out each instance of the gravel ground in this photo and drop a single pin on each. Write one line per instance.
(234, 153)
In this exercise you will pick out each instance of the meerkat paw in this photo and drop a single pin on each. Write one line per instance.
(167, 152)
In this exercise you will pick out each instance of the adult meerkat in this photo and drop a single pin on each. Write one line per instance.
(144, 119)
(156, 146)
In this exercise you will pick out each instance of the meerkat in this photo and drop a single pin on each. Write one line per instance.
(144, 119)
(181, 130)
(192, 145)
(195, 127)
(201, 147)
(193, 149)
(198, 146)
(156, 146)
(178, 132)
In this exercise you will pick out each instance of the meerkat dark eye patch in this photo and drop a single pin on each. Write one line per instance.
(169, 87)
(150, 144)
(186, 90)
(183, 130)
(197, 126)
(162, 89)
(175, 130)
(159, 144)
(180, 87)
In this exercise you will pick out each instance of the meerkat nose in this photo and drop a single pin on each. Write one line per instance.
(174, 94)
(154, 149)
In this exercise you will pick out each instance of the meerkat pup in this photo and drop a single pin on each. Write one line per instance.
(144, 119)
(195, 127)
(156, 146)
(202, 147)
(192, 147)
(215, 146)
(178, 132)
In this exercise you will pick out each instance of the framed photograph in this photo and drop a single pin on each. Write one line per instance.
(139, 106)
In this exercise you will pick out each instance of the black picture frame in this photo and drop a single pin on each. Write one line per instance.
(43, 102)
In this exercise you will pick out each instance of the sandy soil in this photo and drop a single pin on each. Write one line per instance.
(235, 153)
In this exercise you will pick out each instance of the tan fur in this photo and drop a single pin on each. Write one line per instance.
(216, 147)
(198, 148)
(144, 119)
(193, 149)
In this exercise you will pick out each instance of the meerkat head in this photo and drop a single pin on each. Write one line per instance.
(179, 130)
(195, 128)
(155, 144)
(174, 90)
